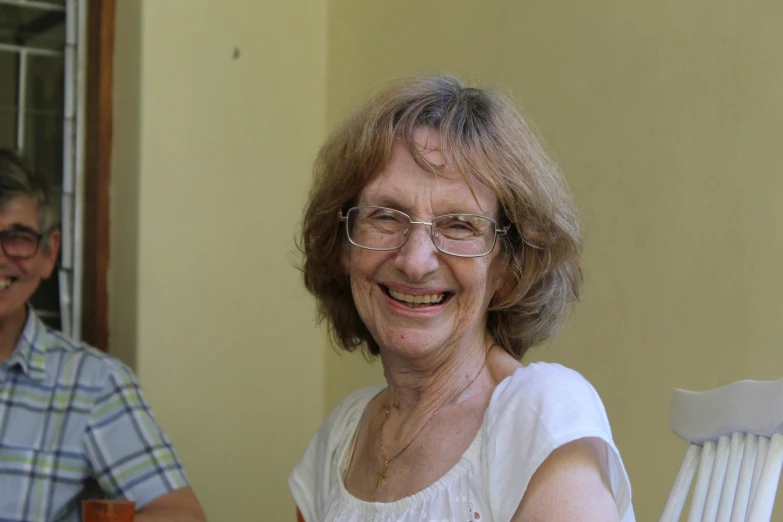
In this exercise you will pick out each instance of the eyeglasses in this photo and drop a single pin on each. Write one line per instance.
(20, 244)
(461, 235)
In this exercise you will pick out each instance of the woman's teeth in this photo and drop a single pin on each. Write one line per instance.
(417, 300)
(5, 282)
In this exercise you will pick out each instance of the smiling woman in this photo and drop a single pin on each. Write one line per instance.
(440, 237)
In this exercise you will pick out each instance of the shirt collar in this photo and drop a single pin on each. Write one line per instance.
(30, 351)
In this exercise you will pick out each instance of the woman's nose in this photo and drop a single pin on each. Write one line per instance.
(418, 256)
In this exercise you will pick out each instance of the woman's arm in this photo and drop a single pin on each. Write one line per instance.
(571, 485)
(299, 517)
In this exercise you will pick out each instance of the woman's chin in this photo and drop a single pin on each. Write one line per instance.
(410, 344)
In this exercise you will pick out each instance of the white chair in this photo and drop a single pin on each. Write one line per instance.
(736, 442)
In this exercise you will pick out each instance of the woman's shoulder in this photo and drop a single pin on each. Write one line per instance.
(345, 417)
(312, 477)
(547, 400)
(543, 389)
(348, 411)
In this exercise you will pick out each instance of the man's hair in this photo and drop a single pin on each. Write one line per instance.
(18, 179)
(482, 137)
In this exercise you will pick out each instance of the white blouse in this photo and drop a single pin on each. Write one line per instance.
(531, 413)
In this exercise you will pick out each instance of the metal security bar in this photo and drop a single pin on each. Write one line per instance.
(73, 53)
(73, 166)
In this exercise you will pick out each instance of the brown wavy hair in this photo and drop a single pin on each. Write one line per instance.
(483, 135)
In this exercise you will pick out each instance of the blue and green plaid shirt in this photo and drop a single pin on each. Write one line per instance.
(73, 425)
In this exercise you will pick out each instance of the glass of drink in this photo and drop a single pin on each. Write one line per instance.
(108, 510)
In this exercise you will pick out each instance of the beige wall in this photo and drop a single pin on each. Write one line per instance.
(211, 163)
(666, 117)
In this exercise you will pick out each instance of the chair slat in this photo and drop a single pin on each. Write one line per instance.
(682, 484)
(729, 490)
(740, 509)
(716, 480)
(761, 456)
(764, 498)
(702, 482)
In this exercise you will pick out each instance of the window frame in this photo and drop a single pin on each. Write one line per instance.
(97, 171)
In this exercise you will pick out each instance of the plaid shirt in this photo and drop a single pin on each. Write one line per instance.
(74, 424)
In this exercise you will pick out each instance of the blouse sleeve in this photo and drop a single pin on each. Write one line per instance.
(539, 409)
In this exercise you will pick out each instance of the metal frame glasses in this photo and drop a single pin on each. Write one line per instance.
(384, 229)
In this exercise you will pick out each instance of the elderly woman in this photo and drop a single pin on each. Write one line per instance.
(441, 238)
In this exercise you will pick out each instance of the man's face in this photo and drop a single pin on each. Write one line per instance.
(20, 277)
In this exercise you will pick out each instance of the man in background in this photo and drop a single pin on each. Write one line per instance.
(73, 420)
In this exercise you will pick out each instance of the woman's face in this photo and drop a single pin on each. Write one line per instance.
(382, 283)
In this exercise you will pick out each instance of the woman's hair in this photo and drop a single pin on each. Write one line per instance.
(484, 136)
(18, 179)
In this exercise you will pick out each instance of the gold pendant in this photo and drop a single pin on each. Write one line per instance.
(381, 475)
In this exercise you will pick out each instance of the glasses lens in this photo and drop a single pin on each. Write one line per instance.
(464, 234)
(377, 227)
(19, 244)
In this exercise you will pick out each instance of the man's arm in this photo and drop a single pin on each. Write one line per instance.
(130, 455)
(570, 485)
(176, 506)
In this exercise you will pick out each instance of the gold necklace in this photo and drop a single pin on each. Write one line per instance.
(382, 472)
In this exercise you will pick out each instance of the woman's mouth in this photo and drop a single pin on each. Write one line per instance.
(416, 300)
(5, 282)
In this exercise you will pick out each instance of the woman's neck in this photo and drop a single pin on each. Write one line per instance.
(418, 388)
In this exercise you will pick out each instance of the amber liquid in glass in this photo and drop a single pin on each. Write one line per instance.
(108, 510)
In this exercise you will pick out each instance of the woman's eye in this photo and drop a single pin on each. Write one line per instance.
(385, 217)
(460, 226)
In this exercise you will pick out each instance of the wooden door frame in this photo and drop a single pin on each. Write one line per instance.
(98, 143)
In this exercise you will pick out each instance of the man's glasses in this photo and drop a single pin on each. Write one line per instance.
(461, 235)
(20, 244)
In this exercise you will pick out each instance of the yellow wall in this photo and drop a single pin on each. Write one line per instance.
(211, 165)
(666, 117)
